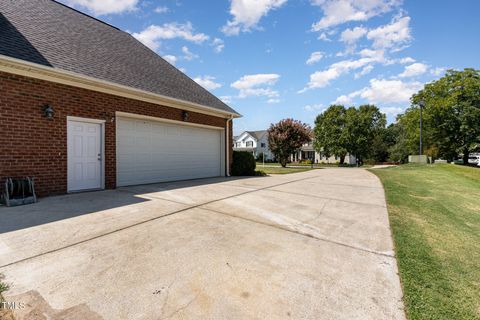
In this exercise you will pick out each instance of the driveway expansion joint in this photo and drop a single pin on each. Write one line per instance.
(285, 228)
(189, 207)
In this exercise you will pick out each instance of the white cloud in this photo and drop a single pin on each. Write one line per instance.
(390, 91)
(414, 70)
(337, 12)
(347, 99)
(323, 36)
(188, 55)
(102, 7)
(383, 92)
(350, 36)
(247, 14)
(315, 57)
(323, 78)
(314, 107)
(365, 70)
(406, 60)
(254, 80)
(392, 110)
(218, 45)
(438, 71)
(226, 99)
(369, 53)
(273, 100)
(161, 9)
(207, 82)
(170, 58)
(257, 92)
(343, 100)
(256, 85)
(393, 35)
(152, 35)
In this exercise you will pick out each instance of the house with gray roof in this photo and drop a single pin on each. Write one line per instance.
(86, 106)
(255, 142)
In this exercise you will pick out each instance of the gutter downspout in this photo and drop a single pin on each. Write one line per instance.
(227, 149)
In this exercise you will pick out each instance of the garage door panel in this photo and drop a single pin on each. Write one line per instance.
(151, 151)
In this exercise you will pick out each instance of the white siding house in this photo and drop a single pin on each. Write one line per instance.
(255, 142)
(307, 152)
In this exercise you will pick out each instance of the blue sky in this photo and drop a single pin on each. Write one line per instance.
(273, 59)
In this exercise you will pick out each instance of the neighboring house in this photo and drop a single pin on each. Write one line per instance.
(85, 106)
(255, 142)
(307, 152)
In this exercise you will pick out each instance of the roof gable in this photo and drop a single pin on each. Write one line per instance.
(258, 134)
(48, 33)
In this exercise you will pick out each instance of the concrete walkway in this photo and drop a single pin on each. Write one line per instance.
(310, 245)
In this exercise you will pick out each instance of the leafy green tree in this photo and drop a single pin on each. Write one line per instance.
(329, 132)
(396, 139)
(379, 147)
(451, 113)
(362, 125)
(339, 131)
(287, 136)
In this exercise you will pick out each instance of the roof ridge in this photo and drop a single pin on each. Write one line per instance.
(47, 41)
(87, 15)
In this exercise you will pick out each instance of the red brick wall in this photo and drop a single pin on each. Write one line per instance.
(31, 145)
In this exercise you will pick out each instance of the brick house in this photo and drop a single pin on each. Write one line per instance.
(84, 105)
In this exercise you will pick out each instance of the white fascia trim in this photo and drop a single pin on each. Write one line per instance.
(37, 71)
(182, 123)
(80, 119)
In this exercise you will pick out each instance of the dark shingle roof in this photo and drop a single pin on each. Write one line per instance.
(54, 35)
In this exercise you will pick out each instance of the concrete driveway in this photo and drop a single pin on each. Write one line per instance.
(310, 245)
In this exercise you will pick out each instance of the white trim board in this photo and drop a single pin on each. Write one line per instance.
(183, 123)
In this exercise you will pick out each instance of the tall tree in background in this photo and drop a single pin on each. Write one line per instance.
(353, 130)
(452, 113)
(367, 125)
(396, 140)
(329, 132)
(287, 136)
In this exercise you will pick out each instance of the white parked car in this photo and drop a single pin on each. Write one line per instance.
(474, 160)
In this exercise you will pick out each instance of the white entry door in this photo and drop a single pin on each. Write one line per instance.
(84, 155)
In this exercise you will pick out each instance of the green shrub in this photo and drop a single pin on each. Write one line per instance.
(346, 165)
(3, 286)
(307, 161)
(243, 164)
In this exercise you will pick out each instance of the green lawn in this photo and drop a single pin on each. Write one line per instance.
(435, 217)
(280, 170)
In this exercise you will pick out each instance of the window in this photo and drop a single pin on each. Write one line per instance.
(238, 144)
(262, 145)
(249, 143)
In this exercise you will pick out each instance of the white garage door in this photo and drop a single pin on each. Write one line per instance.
(151, 151)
